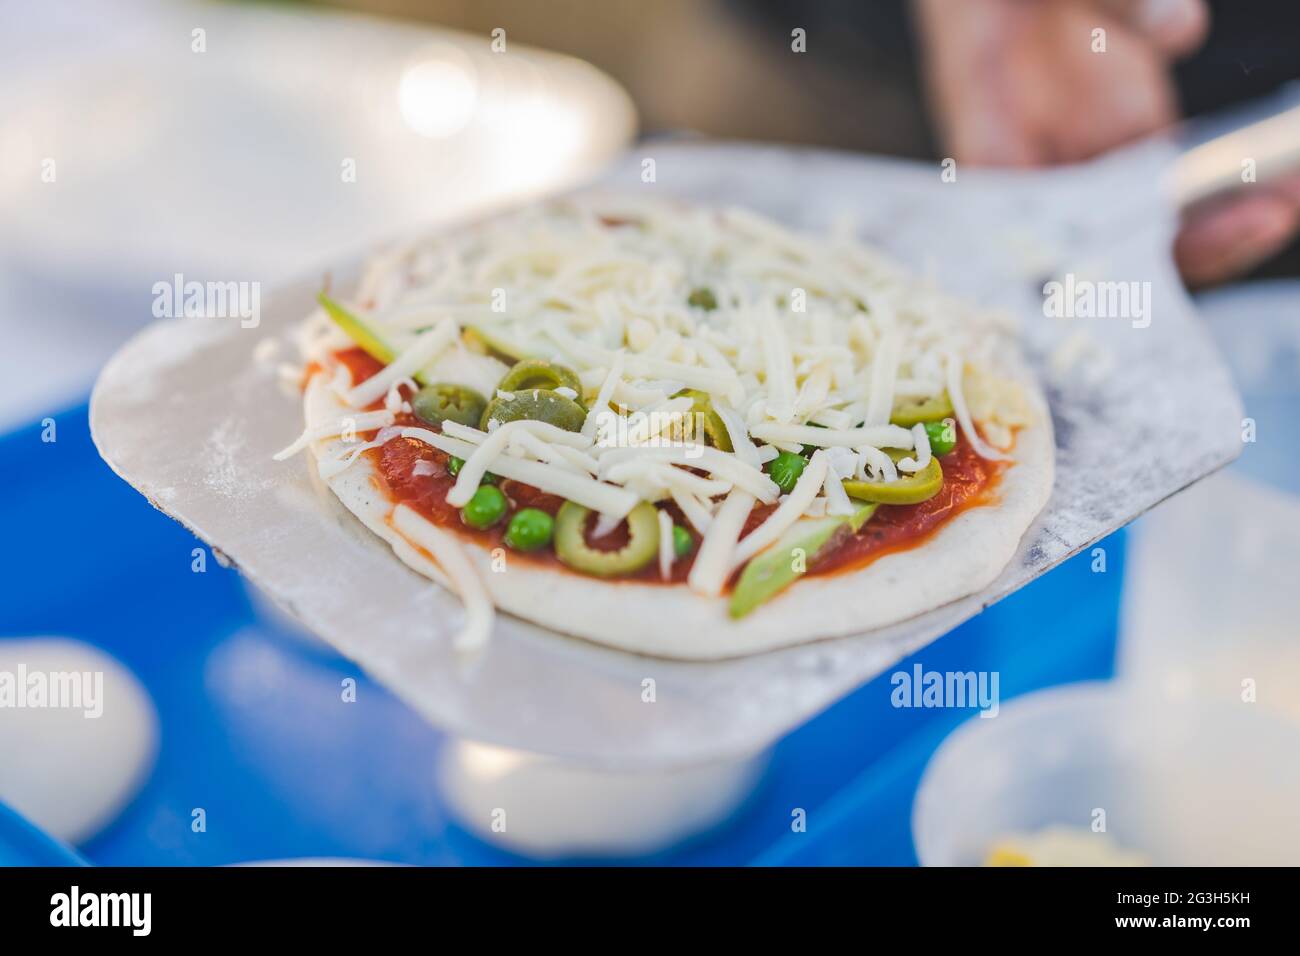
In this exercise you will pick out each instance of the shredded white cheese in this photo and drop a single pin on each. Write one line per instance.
(713, 562)
(452, 560)
(955, 369)
(797, 341)
(597, 495)
(787, 513)
(416, 356)
(346, 425)
(921, 442)
(667, 553)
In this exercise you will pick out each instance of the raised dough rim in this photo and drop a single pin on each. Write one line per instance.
(889, 590)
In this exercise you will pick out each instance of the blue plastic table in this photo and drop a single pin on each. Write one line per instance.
(252, 731)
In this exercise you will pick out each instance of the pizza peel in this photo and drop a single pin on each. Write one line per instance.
(1142, 407)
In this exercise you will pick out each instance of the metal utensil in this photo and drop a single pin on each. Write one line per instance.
(186, 416)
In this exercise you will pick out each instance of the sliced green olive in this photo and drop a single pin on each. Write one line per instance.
(913, 411)
(539, 373)
(537, 405)
(907, 490)
(703, 298)
(571, 541)
(715, 429)
(435, 404)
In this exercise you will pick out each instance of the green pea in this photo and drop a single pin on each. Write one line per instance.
(529, 529)
(785, 470)
(943, 436)
(703, 298)
(454, 465)
(683, 541)
(486, 508)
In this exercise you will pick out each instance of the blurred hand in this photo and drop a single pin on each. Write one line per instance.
(1016, 83)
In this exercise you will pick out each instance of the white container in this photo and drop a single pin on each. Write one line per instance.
(1212, 607)
(1181, 783)
(550, 809)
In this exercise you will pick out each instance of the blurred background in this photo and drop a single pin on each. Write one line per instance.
(253, 141)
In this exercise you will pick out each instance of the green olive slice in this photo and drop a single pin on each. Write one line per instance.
(703, 298)
(907, 490)
(538, 405)
(715, 429)
(435, 404)
(571, 541)
(913, 411)
(539, 373)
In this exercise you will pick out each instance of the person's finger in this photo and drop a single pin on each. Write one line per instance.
(983, 133)
(1174, 27)
(1227, 238)
(975, 108)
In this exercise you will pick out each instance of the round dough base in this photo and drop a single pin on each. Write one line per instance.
(672, 621)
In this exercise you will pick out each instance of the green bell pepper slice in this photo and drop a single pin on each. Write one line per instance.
(772, 571)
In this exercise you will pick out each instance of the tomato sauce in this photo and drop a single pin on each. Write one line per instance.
(968, 481)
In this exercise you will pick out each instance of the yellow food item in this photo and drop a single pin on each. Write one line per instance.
(999, 405)
(1004, 855)
(1062, 846)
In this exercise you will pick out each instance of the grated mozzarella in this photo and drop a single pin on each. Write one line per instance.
(713, 561)
(450, 557)
(597, 495)
(921, 440)
(801, 341)
(360, 422)
(667, 553)
(414, 357)
(955, 368)
(792, 507)
(879, 436)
